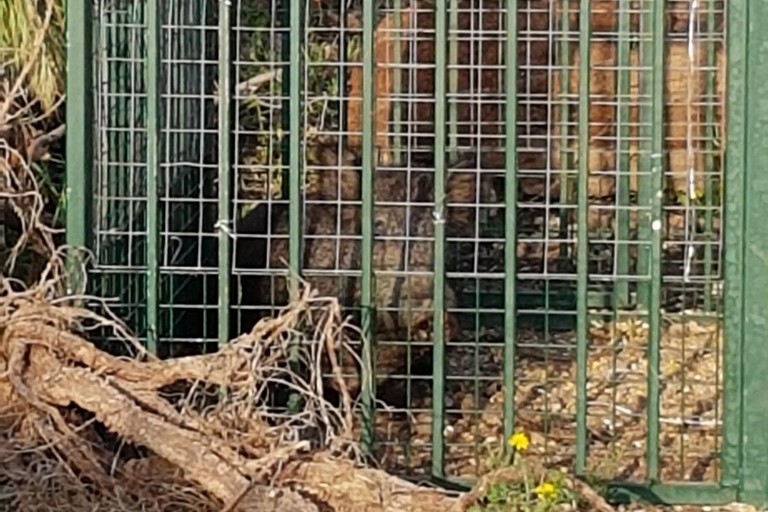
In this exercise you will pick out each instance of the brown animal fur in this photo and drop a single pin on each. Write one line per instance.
(332, 221)
(534, 57)
(604, 16)
(464, 197)
(684, 96)
(602, 115)
(384, 76)
(684, 119)
(534, 54)
(484, 57)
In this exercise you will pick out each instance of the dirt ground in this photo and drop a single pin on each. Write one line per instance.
(545, 401)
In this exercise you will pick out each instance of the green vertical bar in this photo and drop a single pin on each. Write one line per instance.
(295, 137)
(368, 385)
(582, 235)
(747, 171)
(154, 40)
(644, 180)
(397, 107)
(735, 223)
(341, 76)
(652, 86)
(285, 91)
(225, 89)
(709, 162)
(654, 61)
(510, 219)
(80, 135)
(454, 77)
(564, 150)
(621, 287)
(438, 352)
(643, 224)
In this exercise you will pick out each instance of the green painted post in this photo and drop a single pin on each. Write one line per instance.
(453, 75)
(368, 313)
(79, 145)
(735, 229)
(154, 179)
(397, 79)
(566, 157)
(745, 445)
(225, 169)
(623, 182)
(582, 235)
(712, 199)
(438, 352)
(653, 59)
(510, 217)
(295, 137)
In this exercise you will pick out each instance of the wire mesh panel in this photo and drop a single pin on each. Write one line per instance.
(613, 348)
(155, 171)
(519, 202)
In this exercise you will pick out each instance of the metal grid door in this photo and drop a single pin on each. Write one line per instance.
(520, 202)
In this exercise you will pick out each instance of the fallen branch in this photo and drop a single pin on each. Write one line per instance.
(51, 369)
(38, 148)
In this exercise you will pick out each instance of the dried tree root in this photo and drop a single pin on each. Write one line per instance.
(48, 368)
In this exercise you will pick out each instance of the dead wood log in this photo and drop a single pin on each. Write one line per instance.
(48, 380)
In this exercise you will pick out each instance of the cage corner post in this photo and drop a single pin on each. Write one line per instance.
(79, 136)
(745, 445)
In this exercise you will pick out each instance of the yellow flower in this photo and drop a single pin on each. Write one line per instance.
(546, 491)
(519, 442)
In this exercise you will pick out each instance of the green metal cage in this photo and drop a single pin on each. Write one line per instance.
(544, 181)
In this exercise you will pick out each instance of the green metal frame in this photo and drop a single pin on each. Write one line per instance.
(138, 133)
(744, 475)
(746, 358)
(79, 150)
(368, 320)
